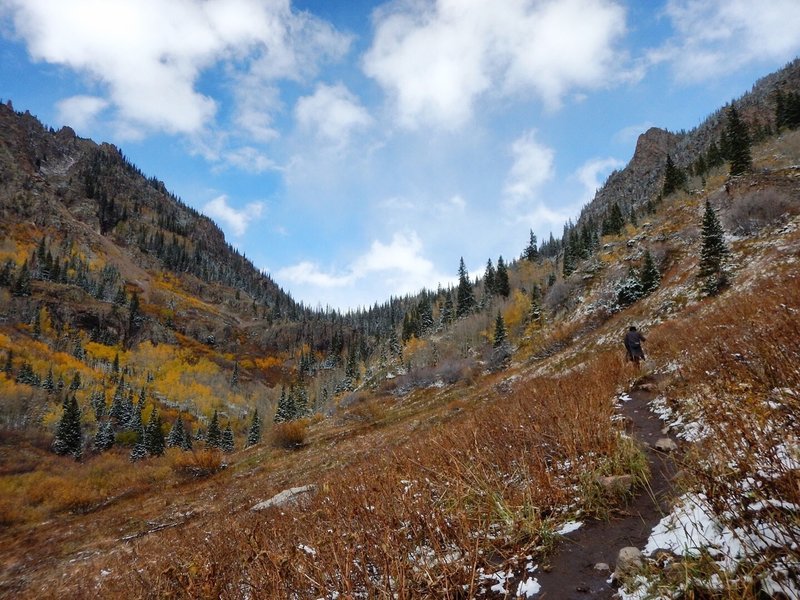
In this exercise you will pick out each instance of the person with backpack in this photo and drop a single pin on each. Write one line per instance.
(633, 346)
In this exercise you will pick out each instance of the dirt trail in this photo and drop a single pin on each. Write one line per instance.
(572, 574)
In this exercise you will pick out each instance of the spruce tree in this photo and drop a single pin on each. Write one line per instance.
(214, 435)
(465, 299)
(535, 313)
(737, 143)
(154, 436)
(501, 279)
(630, 289)
(712, 253)
(531, 252)
(254, 433)
(227, 442)
(186, 442)
(649, 277)
(49, 383)
(176, 433)
(68, 438)
(235, 375)
(138, 452)
(8, 367)
(448, 311)
(674, 178)
(104, 438)
(499, 331)
(489, 279)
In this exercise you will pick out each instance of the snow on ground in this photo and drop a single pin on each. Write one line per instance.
(569, 527)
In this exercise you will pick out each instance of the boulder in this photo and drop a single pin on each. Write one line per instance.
(665, 445)
(285, 498)
(616, 485)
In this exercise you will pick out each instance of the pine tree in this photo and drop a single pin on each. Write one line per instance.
(153, 435)
(76, 382)
(712, 253)
(465, 299)
(235, 375)
(104, 438)
(502, 285)
(674, 178)
(177, 434)
(214, 435)
(499, 331)
(138, 452)
(22, 284)
(8, 367)
(68, 439)
(285, 410)
(531, 252)
(489, 279)
(186, 442)
(614, 221)
(254, 433)
(227, 442)
(448, 311)
(630, 290)
(649, 278)
(737, 143)
(535, 314)
(98, 403)
(49, 383)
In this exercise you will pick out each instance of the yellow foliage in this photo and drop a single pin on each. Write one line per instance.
(268, 362)
(106, 353)
(413, 346)
(516, 311)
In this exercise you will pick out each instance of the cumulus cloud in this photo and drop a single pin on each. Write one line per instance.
(332, 112)
(236, 220)
(80, 111)
(592, 175)
(398, 267)
(713, 37)
(532, 168)
(150, 54)
(437, 60)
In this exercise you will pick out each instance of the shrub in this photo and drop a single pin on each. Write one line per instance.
(752, 211)
(197, 463)
(290, 435)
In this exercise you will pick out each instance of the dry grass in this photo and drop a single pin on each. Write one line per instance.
(289, 435)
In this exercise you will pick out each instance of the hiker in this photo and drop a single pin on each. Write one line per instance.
(633, 346)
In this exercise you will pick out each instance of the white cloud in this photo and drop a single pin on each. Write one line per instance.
(593, 173)
(396, 268)
(436, 60)
(332, 112)
(150, 54)
(713, 37)
(80, 111)
(631, 133)
(532, 168)
(250, 159)
(236, 220)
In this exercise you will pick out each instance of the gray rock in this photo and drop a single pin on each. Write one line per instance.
(629, 560)
(602, 567)
(616, 485)
(665, 445)
(286, 497)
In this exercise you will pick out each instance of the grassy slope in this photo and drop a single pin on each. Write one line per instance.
(417, 492)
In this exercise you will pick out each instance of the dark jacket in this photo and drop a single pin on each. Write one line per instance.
(633, 344)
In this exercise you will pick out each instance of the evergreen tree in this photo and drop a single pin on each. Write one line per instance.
(630, 290)
(68, 439)
(465, 299)
(649, 278)
(98, 403)
(424, 316)
(502, 284)
(499, 331)
(614, 221)
(49, 383)
(214, 435)
(283, 413)
(227, 442)
(254, 433)
(76, 382)
(22, 284)
(489, 279)
(186, 442)
(737, 143)
(134, 423)
(104, 438)
(154, 435)
(531, 252)
(235, 375)
(535, 314)
(138, 452)
(712, 253)
(448, 311)
(674, 178)
(176, 434)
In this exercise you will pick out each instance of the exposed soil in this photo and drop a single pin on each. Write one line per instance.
(571, 573)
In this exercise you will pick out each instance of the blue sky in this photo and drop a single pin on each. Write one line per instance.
(356, 150)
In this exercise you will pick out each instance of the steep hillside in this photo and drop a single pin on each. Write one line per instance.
(438, 446)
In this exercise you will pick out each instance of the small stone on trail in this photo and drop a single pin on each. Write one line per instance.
(616, 484)
(666, 445)
(602, 567)
(629, 560)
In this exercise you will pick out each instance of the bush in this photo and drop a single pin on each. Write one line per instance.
(752, 211)
(196, 463)
(290, 435)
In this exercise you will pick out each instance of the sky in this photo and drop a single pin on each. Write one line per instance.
(356, 150)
